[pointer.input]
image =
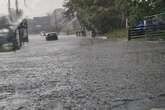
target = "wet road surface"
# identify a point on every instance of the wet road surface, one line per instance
(83, 74)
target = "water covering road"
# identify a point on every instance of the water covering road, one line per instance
(83, 74)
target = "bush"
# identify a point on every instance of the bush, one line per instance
(117, 34)
(6, 48)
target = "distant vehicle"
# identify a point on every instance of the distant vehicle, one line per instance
(51, 36)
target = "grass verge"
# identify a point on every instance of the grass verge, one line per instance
(117, 34)
(6, 48)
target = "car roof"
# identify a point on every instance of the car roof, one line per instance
(51, 33)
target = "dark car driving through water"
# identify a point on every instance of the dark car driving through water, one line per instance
(51, 36)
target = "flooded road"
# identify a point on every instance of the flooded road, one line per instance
(83, 74)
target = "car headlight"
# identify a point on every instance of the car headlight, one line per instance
(4, 30)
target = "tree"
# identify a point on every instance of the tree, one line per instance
(139, 9)
(95, 14)
(107, 15)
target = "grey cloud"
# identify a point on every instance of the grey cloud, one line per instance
(34, 7)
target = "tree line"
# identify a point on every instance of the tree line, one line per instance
(106, 15)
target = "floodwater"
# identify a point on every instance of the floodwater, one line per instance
(83, 74)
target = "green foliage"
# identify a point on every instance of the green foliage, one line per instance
(6, 48)
(106, 15)
(117, 34)
(142, 8)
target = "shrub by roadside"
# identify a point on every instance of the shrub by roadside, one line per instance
(117, 34)
(6, 47)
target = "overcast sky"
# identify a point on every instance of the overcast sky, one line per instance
(34, 7)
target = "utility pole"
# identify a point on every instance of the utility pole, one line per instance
(17, 6)
(9, 10)
(9, 7)
(25, 3)
(55, 18)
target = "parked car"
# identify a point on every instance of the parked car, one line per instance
(140, 26)
(51, 36)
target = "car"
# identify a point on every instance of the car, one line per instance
(51, 36)
(140, 26)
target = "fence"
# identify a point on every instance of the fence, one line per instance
(150, 32)
(153, 28)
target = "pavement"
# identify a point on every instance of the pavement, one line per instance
(83, 74)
